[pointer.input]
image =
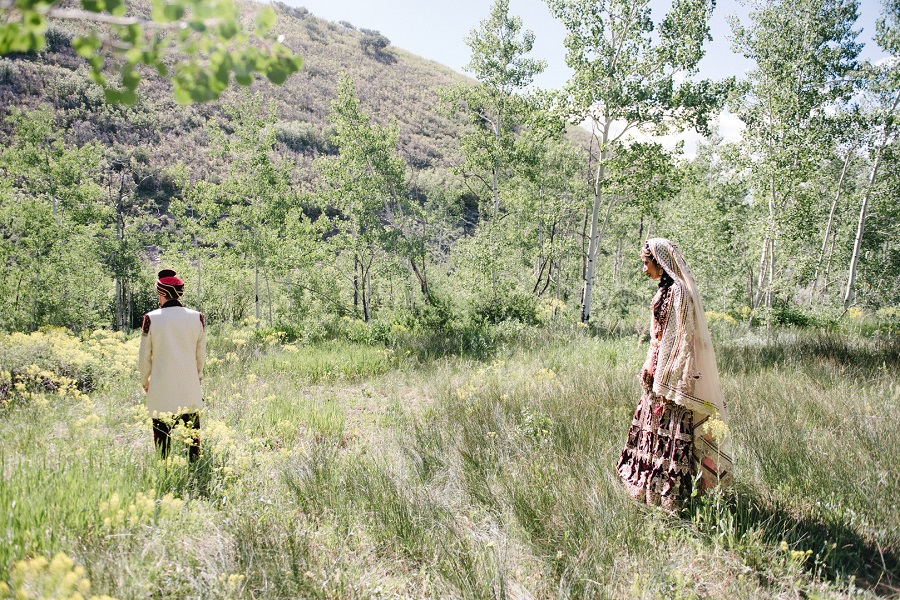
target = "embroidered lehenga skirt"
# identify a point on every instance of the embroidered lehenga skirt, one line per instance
(657, 465)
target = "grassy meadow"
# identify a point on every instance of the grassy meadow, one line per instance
(475, 467)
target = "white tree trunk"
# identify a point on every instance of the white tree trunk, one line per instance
(770, 293)
(596, 232)
(269, 297)
(762, 273)
(860, 229)
(591, 260)
(834, 204)
(496, 193)
(120, 305)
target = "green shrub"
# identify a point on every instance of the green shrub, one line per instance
(52, 364)
(513, 307)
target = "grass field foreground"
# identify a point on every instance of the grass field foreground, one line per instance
(350, 470)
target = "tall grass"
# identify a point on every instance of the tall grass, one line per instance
(347, 470)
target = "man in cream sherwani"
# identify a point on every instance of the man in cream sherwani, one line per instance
(170, 359)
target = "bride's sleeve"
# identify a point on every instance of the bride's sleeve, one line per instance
(686, 355)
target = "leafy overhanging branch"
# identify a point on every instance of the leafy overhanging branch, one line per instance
(198, 44)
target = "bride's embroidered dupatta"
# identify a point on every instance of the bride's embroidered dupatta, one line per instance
(686, 371)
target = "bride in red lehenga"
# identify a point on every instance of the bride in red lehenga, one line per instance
(678, 437)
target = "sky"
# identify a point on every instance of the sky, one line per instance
(436, 30)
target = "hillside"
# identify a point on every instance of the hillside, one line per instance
(158, 133)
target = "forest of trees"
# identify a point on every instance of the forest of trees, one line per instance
(277, 212)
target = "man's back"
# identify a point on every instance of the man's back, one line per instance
(173, 348)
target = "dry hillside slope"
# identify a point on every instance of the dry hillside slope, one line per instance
(157, 133)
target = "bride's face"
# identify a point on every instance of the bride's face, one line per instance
(651, 269)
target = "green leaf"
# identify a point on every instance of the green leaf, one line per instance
(221, 68)
(9, 36)
(182, 95)
(132, 34)
(277, 74)
(112, 96)
(173, 12)
(35, 21)
(115, 7)
(130, 78)
(165, 11)
(203, 93)
(211, 9)
(34, 40)
(86, 46)
(280, 67)
(265, 20)
(227, 29)
(157, 11)
(98, 78)
(32, 5)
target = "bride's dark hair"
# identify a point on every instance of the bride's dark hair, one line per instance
(646, 253)
(665, 280)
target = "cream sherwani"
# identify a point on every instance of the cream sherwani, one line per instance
(171, 357)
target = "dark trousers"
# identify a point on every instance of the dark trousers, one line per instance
(162, 432)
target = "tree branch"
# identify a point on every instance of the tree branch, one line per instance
(76, 14)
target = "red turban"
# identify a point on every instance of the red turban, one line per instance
(169, 285)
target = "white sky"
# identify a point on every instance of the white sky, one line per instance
(435, 29)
